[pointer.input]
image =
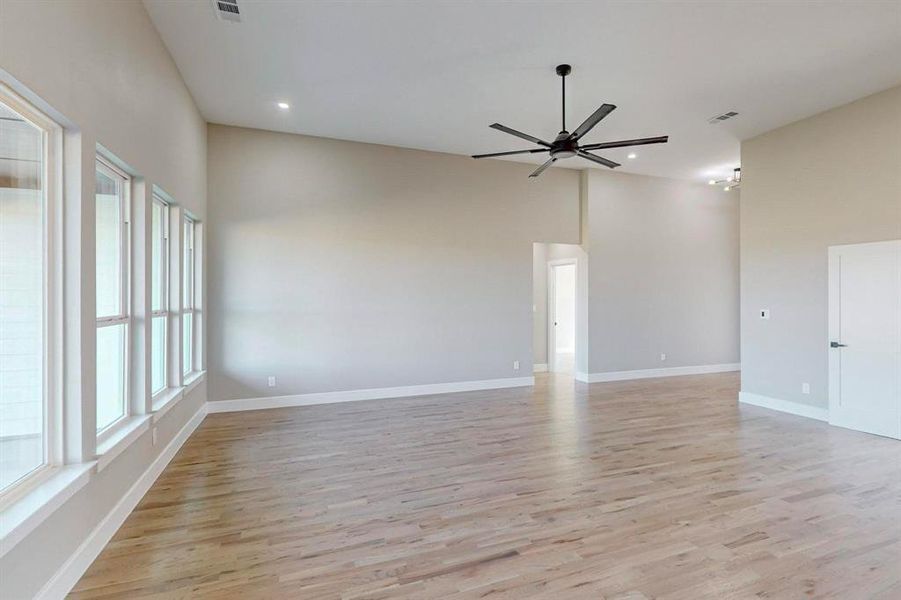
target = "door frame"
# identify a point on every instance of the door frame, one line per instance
(834, 327)
(552, 310)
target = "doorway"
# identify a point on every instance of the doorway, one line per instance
(865, 337)
(561, 318)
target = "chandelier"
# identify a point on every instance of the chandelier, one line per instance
(730, 183)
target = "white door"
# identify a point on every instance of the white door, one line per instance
(865, 337)
(562, 338)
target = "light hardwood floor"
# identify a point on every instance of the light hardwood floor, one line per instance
(650, 489)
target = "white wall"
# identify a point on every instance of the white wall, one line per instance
(565, 308)
(339, 266)
(663, 273)
(101, 69)
(834, 178)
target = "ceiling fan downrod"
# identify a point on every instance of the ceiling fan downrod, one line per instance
(563, 71)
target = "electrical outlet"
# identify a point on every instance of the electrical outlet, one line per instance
(153, 436)
(662, 356)
(272, 381)
(516, 365)
(805, 388)
(765, 314)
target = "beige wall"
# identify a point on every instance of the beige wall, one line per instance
(101, 69)
(103, 66)
(834, 178)
(339, 266)
(663, 273)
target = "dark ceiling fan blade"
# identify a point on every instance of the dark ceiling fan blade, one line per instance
(598, 159)
(509, 153)
(541, 169)
(591, 121)
(520, 134)
(622, 144)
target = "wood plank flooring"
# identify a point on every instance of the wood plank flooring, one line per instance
(659, 489)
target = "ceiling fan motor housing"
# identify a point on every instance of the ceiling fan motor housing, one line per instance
(563, 146)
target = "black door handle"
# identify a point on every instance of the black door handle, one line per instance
(837, 345)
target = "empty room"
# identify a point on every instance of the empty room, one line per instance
(383, 299)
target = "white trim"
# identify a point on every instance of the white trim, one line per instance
(51, 207)
(786, 406)
(539, 368)
(72, 570)
(165, 400)
(130, 429)
(651, 373)
(583, 377)
(221, 406)
(192, 380)
(171, 396)
(110, 321)
(25, 514)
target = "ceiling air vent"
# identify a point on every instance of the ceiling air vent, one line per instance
(227, 10)
(723, 117)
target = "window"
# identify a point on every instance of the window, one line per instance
(188, 297)
(27, 185)
(159, 295)
(111, 198)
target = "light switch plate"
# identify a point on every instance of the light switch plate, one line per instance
(765, 314)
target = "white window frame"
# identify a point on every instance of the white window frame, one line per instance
(51, 179)
(163, 311)
(189, 284)
(124, 316)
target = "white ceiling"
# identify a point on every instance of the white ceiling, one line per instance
(433, 75)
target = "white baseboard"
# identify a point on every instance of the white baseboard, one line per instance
(786, 406)
(539, 368)
(72, 570)
(221, 406)
(651, 373)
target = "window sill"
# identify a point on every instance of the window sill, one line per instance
(192, 380)
(169, 397)
(25, 514)
(165, 400)
(123, 438)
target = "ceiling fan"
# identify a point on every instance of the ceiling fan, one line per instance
(566, 144)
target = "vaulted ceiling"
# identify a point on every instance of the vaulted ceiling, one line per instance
(433, 75)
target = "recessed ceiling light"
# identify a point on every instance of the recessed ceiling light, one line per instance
(727, 188)
(712, 182)
(633, 155)
(284, 105)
